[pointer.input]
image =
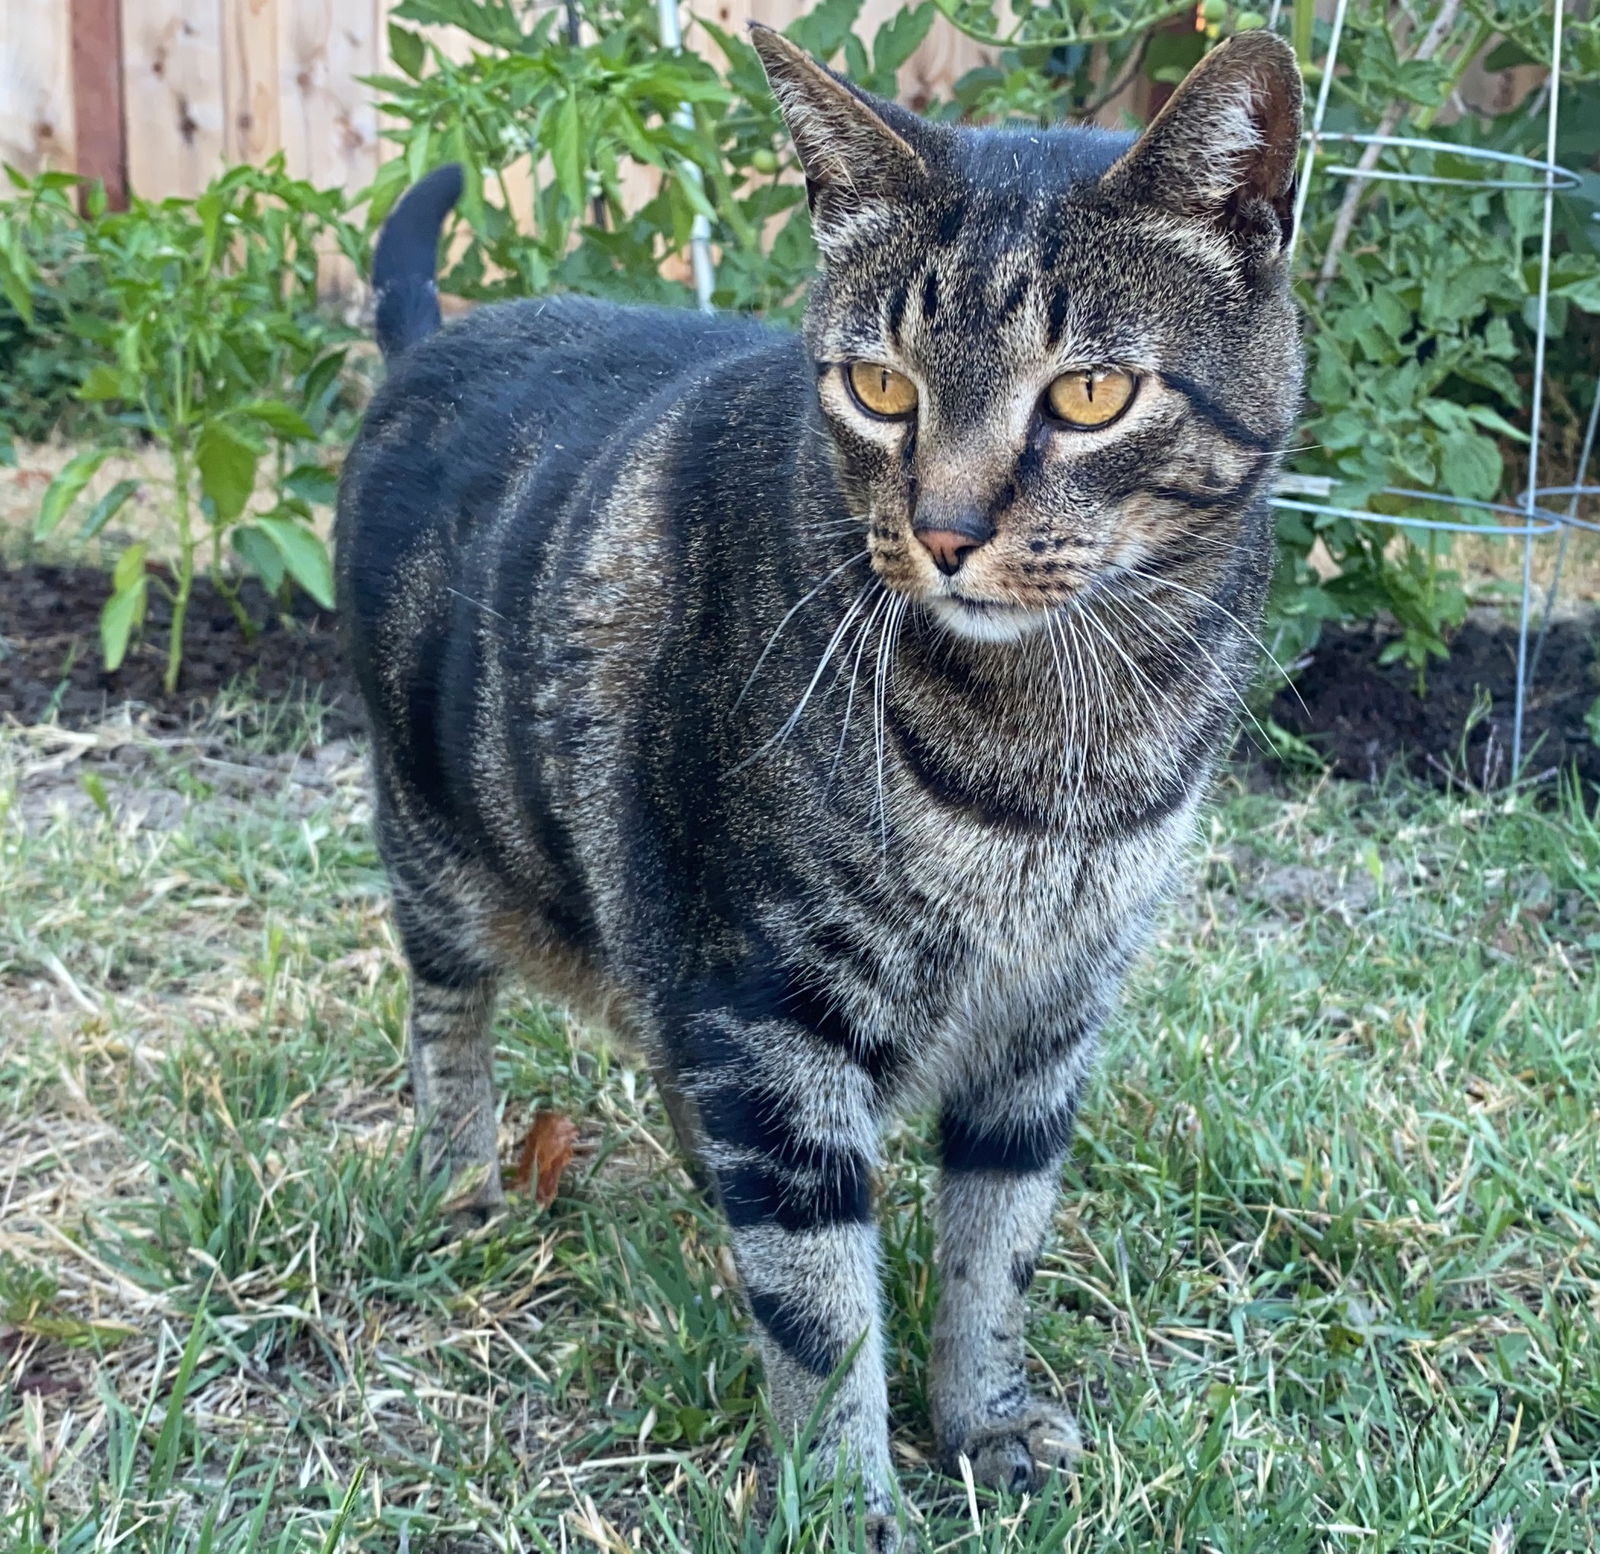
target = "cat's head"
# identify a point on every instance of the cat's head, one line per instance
(1047, 358)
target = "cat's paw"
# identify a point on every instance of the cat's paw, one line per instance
(883, 1533)
(1018, 1452)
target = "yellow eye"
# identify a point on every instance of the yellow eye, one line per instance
(1091, 397)
(880, 390)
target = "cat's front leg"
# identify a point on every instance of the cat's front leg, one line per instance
(788, 1128)
(1003, 1133)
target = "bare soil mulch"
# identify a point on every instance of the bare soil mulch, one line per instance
(51, 667)
(1363, 718)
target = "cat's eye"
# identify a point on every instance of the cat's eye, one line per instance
(882, 391)
(1090, 396)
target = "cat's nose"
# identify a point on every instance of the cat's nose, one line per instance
(954, 540)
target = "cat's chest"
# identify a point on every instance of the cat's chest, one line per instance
(1024, 926)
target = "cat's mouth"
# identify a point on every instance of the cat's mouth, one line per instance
(984, 620)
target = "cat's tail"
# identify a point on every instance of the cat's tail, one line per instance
(406, 258)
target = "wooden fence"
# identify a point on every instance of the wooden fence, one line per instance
(158, 95)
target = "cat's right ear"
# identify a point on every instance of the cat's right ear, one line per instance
(1225, 147)
(856, 149)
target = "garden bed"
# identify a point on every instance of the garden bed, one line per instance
(51, 669)
(1361, 717)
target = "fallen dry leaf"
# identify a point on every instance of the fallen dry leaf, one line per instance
(546, 1152)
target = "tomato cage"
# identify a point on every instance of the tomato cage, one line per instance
(1542, 512)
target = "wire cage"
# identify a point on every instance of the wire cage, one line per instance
(1534, 518)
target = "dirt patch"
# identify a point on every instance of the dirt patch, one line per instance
(1361, 716)
(51, 668)
(1364, 717)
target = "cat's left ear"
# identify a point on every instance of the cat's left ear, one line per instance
(855, 148)
(1225, 147)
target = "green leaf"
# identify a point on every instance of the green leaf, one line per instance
(103, 382)
(823, 28)
(1493, 421)
(566, 151)
(14, 285)
(164, 1458)
(1471, 465)
(8, 450)
(900, 37)
(259, 554)
(227, 464)
(304, 556)
(317, 485)
(279, 417)
(121, 616)
(107, 508)
(407, 50)
(323, 376)
(65, 489)
(129, 567)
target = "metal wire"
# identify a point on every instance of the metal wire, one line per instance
(1570, 521)
(705, 275)
(1536, 413)
(1561, 176)
(1313, 136)
(1536, 520)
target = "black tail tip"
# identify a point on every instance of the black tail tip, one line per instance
(406, 258)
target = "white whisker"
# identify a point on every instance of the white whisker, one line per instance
(862, 633)
(1227, 684)
(778, 629)
(1167, 582)
(885, 655)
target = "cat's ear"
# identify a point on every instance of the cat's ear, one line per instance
(855, 148)
(1225, 147)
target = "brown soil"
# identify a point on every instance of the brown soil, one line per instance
(51, 668)
(1361, 717)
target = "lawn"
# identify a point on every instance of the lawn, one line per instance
(1326, 1274)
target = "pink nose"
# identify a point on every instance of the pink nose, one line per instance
(949, 547)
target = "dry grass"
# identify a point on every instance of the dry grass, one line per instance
(1326, 1274)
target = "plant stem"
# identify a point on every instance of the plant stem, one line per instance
(179, 442)
(1305, 22)
(180, 601)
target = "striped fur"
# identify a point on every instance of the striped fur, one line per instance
(674, 713)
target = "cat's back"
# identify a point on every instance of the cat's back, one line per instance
(483, 434)
(465, 410)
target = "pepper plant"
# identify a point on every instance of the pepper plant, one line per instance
(214, 349)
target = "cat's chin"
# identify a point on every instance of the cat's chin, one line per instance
(985, 622)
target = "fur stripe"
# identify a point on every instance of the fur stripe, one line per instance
(1012, 1146)
(943, 784)
(1219, 419)
(836, 1191)
(792, 1325)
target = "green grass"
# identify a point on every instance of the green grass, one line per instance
(1326, 1274)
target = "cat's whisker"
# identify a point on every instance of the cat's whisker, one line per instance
(1207, 599)
(1067, 719)
(1081, 735)
(1105, 702)
(885, 655)
(863, 632)
(1222, 675)
(777, 631)
(1110, 637)
(805, 696)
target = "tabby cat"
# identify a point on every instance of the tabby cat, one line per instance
(827, 714)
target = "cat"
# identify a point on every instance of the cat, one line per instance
(827, 714)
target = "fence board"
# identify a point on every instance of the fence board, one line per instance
(329, 121)
(250, 40)
(174, 95)
(36, 118)
(212, 81)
